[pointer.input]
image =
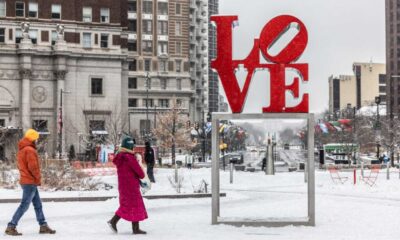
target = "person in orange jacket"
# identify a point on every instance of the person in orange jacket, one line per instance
(30, 179)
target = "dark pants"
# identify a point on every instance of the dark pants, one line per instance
(263, 167)
(150, 173)
(30, 194)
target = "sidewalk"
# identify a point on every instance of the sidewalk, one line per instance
(105, 198)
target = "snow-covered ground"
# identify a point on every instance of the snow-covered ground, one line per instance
(342, 211)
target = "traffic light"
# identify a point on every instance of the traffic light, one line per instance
(188, 124)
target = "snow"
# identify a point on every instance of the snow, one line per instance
(345, 211)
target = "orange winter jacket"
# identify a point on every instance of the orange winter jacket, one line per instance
(28, 163)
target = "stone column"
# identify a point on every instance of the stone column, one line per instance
(25, 110)
(60, 78)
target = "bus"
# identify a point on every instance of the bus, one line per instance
(341, 153)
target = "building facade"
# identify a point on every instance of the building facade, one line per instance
(213, 81)
(360, 89)
(158, 61)
(199, 57)
(62, 67)
(392, 9)
(341, 92)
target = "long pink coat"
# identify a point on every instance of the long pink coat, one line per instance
(131, 205)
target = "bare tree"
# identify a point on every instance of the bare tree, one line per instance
(171, 131)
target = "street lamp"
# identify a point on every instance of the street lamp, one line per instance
(60, 147)
(147, 104)
(377, 126)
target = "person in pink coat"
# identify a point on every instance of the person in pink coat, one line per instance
(129, 171)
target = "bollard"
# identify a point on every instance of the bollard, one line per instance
(176, 173)
(388, 170)
(355, 176)
(362, 168)
(231, 173)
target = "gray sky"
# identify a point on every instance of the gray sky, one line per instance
(340, 32)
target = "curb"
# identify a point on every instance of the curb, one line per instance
(100, 199)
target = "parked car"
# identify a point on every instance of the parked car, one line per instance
(235, 158)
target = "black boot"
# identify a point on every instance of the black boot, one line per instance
(113, 223)
(136, 229)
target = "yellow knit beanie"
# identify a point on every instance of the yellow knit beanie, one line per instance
(31, 135)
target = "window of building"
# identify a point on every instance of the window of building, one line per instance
(20, 9)
(178, 102)
(2, 35)
(87, 40)
(178, 9)
(132, 65)
(162, 8)
(40, 125)
(382, 78)
(97, 86)
(53, 37)
(147, 7)
(178, 29)
(382, 89)
(163, 103)
(147, 46)
(33, 35)
(147, 26)
(2, 122)
(132, 7)
(162, 66)
(178, 65)
(144, 126)
(147, 64)
(162, 48)
(178, 49)
(56, 11)
(2, 8)
(87, 14)
(148, 103)
(162, 28)
(97, 125)
(18, 35)
(179, 84)
(132, 25)
(33, 10)
(104, 40)
(132, 102)
(105, 15)
(132, 45)
(163, 83)
(132, 83)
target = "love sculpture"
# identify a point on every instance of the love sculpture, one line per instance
(272, 31)
(277, 65)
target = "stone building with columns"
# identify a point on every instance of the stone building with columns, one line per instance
(63, 68)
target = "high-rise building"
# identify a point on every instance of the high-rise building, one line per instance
(213, 82)
(158, 61)
(61, 67)
(393, 56)
(358, 90)
(199, 58)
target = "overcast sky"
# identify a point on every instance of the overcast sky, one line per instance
(340, 32)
